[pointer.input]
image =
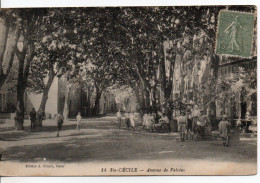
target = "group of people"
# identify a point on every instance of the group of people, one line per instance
(149, 121)
(59, 119)
(128, 120)
(33, 118)
(192, 123)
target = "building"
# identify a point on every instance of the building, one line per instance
(82, 99)
(194, 73)
(244, 103)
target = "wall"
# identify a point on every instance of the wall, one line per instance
(51, 105)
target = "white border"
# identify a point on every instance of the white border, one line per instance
(80, 3)
(163, 179)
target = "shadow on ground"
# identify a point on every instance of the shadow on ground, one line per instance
(100, 140)
(125, 145)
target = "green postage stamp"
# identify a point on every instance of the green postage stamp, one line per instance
(235, 31)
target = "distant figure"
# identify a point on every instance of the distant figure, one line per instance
(150, 122)
(164, 118)
(189, 126)
(224, 129)
(119, 118)
(59, 120)
(127, 120)
(41, 116)
(145, 116)
(79, 118)
(165, 123)
(33, 118)
(182, 123)
(132, 120)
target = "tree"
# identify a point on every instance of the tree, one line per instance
(56, 54)
(30, 31)
(9, 34)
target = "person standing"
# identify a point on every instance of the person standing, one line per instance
(132, 120)
(224, 129)
(165, 122)
(119, 118)
(33, 118)
(79, 118)
(149, 122)
(189, 126)
(182, 122)
(59, 120)
(127, 120)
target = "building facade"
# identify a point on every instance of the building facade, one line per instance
(82, 99)
(244, 103)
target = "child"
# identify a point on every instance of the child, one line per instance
(79, 118)
(132, 120)
(224, 128)
(182, 123)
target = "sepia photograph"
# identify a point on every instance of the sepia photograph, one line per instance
(127, 91)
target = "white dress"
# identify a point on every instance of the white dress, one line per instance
(79, 118)
(132, 120)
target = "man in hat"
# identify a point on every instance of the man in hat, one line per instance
(59, 120)
(224, 129)
(33, 118)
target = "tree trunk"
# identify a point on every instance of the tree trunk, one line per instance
(46, 90)
(142, 98)
(24, 57)
(139, 96)
(3, 40)
(163, 81)
(19, 119)
(154, 103)
(147, 99)
(8, 46)
(66, 105)
(96, 105)
(166, 83)
(88, 102)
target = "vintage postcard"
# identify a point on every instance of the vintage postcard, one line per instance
(118, 91)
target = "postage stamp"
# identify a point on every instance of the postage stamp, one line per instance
(235, 31)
